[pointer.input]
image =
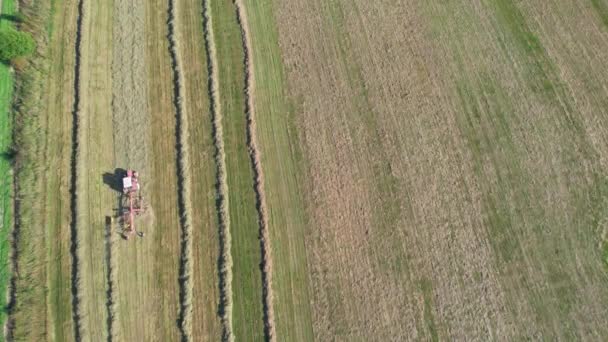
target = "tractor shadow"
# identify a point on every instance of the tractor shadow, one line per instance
(114, 180)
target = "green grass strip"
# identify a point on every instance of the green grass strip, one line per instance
(247, 311)
(6, 179)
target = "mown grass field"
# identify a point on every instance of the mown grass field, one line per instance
(246, 255)
(429, 170)
(284, 174)
(206, 249)
(59, 122)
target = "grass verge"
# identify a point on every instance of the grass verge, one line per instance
(6, 179)
(27, 304)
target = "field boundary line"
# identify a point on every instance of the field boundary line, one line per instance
(258, 174)
(183, 179)
(75, 165)
(221, 186)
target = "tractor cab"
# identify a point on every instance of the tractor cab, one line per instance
(130, 182)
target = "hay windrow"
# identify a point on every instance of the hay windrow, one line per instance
(77, 182)
(112, 291)
(183, 179)
(222, 202)
(258, 182)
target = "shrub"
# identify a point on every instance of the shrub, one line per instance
(15, 44)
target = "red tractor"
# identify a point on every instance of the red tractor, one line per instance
(133, 203)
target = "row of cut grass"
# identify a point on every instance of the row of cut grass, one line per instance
(258, 175)
(184, 181)
(219, 278)
(247, 294)
(282, 165)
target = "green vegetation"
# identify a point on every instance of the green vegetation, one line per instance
(29, 138)
(292, 311)
(6, 179)
(247, 279)
(507, 128)
(15, 44)
(602, 10)
(281, 162)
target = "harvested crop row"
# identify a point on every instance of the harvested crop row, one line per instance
(183, 181)
(258, 181)
(76, 182)
(112, 291)
(225, 262)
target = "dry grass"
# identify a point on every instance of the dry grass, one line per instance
(93, 124)
(453, 174)
(149, 276)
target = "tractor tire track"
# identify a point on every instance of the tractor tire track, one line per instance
(258, 181)
(75, 165)
(221, 186)
(183, 179)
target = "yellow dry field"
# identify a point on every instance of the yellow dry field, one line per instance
(456, 177)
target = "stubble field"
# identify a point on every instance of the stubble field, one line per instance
(313, 170)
